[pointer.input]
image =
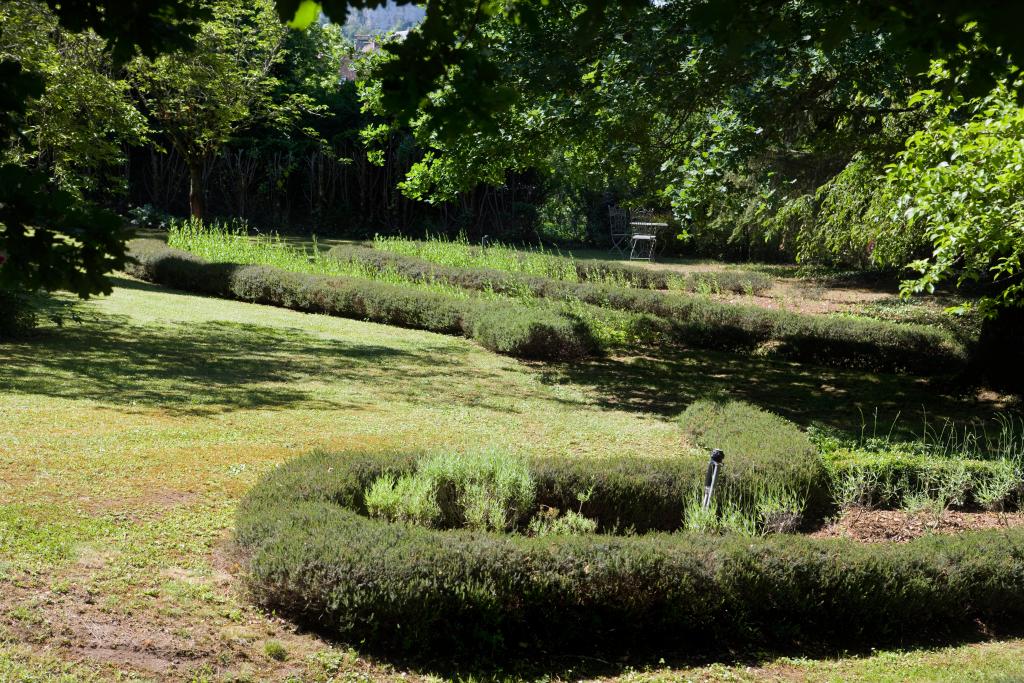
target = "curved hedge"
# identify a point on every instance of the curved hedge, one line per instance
(705, 323)
(416, 268)
(699, 321)
(314, 556)
(502, 326)
(760, 447)
(549, 333)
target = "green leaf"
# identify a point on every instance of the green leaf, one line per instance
(306, 14)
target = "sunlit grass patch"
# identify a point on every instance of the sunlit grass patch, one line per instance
(224, 243)
(48, 535)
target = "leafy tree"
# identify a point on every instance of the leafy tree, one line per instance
(960, 182)
(78, 127)
(448, 73)
(64, 122)
(200, 96)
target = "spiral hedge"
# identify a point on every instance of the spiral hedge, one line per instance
(547, 332)
(313, 555)
(705, 323)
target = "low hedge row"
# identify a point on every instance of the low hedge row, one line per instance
(737, 281)
(416, 268)
(760, 447)
(890, 478)
(827, 340)
(516, 330)
(705, 323)
(402, 589)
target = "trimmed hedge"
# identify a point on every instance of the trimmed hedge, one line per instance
(501, 326)
(888, 478)
(699, 321)
(548, 333)
(828, 340)
(760, 447)
(417, 268)
(402, 589)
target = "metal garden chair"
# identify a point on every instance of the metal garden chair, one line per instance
(620, 230)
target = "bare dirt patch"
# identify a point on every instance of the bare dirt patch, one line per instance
(875, 526)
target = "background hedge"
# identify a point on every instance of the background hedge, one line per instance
(502, 326)
(702, 322)
(589, 272)
(404, 589)
(550, 332)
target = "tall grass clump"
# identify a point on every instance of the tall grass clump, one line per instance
(554, 265)
(948, 465)
(487, 491)
(460, 254)
(233, 242)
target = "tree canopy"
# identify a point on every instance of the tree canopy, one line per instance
(779, 115)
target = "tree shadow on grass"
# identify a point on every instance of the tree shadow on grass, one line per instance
(846, 400)
(194, 367)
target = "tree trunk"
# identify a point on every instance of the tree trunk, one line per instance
(195, 190)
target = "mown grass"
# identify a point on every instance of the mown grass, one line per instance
(126, 441)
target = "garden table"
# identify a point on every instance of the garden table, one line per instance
(645, 234)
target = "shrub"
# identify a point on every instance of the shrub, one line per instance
(313, 555)
(699, 321)
(502, 326)
(540, 334)
(887, 478)
(767, 458)
(485, 491)
(17, 314)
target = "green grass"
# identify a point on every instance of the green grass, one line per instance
(461, 254)
(222, 243)
(126, 441)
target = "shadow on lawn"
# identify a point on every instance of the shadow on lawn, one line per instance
(805, 394)
(197, 367)
(519, 664)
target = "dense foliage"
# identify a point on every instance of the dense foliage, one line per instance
(769, 142)
(959, 183)
(555, 88)
(225, 80)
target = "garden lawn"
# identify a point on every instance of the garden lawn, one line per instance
(126, 440)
